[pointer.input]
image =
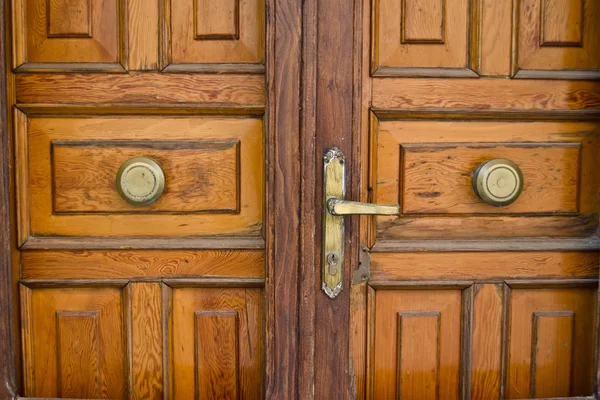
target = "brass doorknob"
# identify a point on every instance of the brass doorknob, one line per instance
(140, 181)
(498, 182)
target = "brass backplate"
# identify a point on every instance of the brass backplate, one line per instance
(333, 226)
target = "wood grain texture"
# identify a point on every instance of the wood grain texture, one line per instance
(487, 341)
(559, 36)
(201, 176)
(485, 266)
(141, 264)
(201, 32)
(63, 34)
(146, 374)
(22, 177)
(420, 358)
(75, 345)
(216, 335)
(96, 191)
(485, 94)
(438, 179)
(282, 217)
(142, 88)
(410, 166)
(532, 373)
(494, 44)
(143, 34)
(433, 34)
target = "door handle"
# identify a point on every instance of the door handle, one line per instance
(344, 207)
(335, 207)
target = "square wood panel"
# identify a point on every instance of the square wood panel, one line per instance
(69, 35)
(203, 35)
(421, 38)
(557, 39)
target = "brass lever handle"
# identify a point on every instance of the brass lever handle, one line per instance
(338, 207)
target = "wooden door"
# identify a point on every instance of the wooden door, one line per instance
(464, 299)
(173, 299)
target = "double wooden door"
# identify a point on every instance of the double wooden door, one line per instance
(214, 289)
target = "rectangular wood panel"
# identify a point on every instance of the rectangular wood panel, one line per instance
(419, 354)
(200, 175)
(69, 18)
(423, 21)
(543, 325)
(216, 335)
(562, 23)
(79, 353)
(552, 353)
(216, 20)
(126, 264)
(213, 166)
(416, 343)
(143, 34)
(486, 347)
(145, 315)
(427, 166)
(486, 265)
(436, 179)
(217, 343)
(74, 342)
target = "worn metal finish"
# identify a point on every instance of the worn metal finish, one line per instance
(345, 207)
(498, 182)
(333, 226)
(140, 181)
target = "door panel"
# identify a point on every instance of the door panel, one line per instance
(463, 299)
(168, 299)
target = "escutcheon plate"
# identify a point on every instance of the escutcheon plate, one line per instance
(332, 258)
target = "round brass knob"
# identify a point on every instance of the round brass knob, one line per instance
(498, 182)
(140, 181)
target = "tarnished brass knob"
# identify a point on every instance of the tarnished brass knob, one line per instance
(498, 182)
(140, 181)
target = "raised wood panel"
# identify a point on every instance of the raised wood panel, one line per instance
(217, 20)
(426, 167)
(551, 332)
(562, 23)
(204, 137)
(208, 35)
(145, 315)
(217, 361)
(69, 35)
(128, 264)
(423, 21)
(486, 344)
(416, 38)
(69, 18)
(78, 353)
(437, 179)
(73, 343)
(219, 92)
(216, 335)
(200, 175)
(557, 38)
(552, 353)
(416, 344)
(484, 266)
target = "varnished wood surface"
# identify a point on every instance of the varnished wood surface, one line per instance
(483, 266)
(156, 264)
(142, 88)
(145, 317)
(73, 163)
(216, 343)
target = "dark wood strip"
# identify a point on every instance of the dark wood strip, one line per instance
(283, 68)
